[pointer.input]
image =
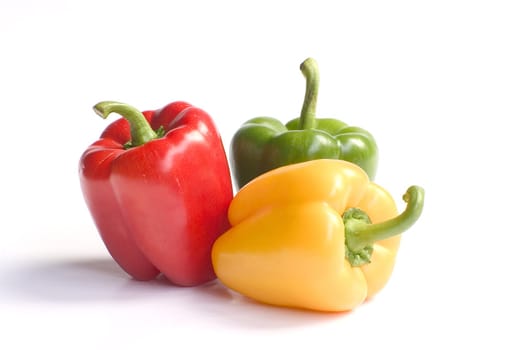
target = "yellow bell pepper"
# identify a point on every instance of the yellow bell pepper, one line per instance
(315, 235)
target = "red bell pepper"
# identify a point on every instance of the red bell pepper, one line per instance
(159, 199)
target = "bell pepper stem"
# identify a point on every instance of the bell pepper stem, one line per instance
(310, 71)
(361, 234)
(141, 131)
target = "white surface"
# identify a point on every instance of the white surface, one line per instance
(440, 85)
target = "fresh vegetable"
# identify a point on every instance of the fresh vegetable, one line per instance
(158, 187)
(316, 235)
(264, 143)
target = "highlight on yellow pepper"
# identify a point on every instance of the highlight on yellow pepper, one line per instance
(315, 235)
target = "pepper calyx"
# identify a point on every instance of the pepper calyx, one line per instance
(358, 253)
(361, 233)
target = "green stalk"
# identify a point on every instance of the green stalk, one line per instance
(310, 71)
(361, 234)
(141, 131)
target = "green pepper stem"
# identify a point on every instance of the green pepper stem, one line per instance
(310, 71)
(360, 234)
(141, 131)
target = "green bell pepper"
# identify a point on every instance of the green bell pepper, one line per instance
(264, 143)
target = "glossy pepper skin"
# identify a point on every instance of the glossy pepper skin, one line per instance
(159, 199)
(264, 143)
(316, 235)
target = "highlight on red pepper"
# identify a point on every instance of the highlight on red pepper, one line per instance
(265, 143)
(316, 235)
(158, 187)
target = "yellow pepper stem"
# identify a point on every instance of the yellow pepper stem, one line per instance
(361, 234)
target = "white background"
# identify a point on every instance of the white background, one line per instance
(441, 85)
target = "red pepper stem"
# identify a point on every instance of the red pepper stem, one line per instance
(310, 71)
(361, 234)
(141, 131)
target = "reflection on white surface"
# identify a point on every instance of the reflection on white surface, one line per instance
(83, 284)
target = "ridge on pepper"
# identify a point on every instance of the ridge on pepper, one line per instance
(265, 143)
